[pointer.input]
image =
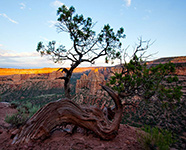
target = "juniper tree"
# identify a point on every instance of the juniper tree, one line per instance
(87, 46)
(150, 83)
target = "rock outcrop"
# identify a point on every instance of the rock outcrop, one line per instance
(90, 82)
(18, 86)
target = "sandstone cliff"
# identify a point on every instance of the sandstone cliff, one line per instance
(90, 82)
(99, 74)
(22, 81)
(20, 86)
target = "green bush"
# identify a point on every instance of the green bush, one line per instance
(33, 110)
(156, 138)
(17, 119)
(25, 111)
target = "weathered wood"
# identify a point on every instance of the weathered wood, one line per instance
(40, 125)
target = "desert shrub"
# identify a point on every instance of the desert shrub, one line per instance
(25, 111)
(33, 110)
(156, 138)
(14, 104)
(17, 119)
(153, 114)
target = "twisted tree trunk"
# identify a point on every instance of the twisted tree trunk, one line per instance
(63, 111)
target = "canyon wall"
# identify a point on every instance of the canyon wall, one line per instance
(91, 81)
(20, 86)
(180, 65)
(102, 74)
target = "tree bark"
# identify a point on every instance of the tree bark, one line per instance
(57, 113)
(68, 77)
(67, 87)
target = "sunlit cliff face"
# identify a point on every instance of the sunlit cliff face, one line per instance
(11, 71)
(96, 70)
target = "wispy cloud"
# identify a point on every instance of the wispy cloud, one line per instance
(23, 54)
(128, 2)
(11, 20)
(22, 6)
(52, 23)
(44, 38)
(56, 4)
(24, 60)
(27, 62)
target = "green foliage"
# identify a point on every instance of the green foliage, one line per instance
(87, 46)
(80, 28)
(156, 138)
(152, 114)
(155, 93)
(25, 111)
(155, 82)
(30, 108)
(84, 38)
(32, 91)
(14, 104)
(33, 110)
(17, 119)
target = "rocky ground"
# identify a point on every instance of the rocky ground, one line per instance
(59, 140)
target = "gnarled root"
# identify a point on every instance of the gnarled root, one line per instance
(63, 111)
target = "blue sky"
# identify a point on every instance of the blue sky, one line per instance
(23, 23)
